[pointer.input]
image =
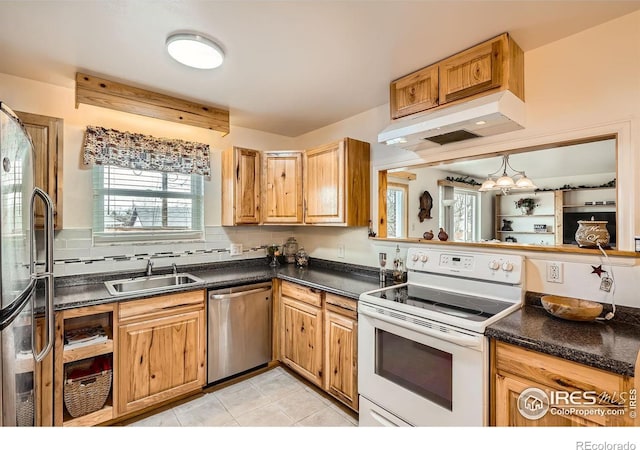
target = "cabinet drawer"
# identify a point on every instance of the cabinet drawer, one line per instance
(161, 305)
(341, 305)
(302, 293)
(557, 373)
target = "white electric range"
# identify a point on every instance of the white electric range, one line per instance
(423, 359)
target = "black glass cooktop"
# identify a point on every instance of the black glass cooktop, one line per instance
(468, 307)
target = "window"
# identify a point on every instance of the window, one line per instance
(138, 205)
(466, 213)
(397, 210)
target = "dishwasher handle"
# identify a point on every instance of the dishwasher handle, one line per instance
(238, 294)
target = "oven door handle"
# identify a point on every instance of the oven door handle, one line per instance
(471, 342)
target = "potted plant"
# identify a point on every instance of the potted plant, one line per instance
(526, 205)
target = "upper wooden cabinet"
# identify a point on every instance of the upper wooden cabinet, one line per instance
(282, 187)
(46, 134)
(415, 92)
(326, 185)
(337, 183)
(240, 186)
(496, 64)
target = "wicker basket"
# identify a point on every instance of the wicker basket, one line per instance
(87, 394)
(24, 409)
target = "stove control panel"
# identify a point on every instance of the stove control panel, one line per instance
(501, 268)
(456, 261)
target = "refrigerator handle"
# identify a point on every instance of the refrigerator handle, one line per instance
(47, 275)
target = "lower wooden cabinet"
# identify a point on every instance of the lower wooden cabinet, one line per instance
(302, 338)
(318, 339)
(341, 345)
(597, 397)
(161, 354)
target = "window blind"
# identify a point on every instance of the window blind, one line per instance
(142, 205)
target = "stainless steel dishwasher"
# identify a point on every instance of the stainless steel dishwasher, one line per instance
(239, 330)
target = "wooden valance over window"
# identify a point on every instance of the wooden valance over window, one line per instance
(111, 147)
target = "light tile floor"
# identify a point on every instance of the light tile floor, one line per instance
(274, 398)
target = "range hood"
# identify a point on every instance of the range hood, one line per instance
(496, 113)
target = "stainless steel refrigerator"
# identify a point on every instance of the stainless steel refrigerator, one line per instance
(26, 286)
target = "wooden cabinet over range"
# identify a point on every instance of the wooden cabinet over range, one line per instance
(327, 185)
(491, 66)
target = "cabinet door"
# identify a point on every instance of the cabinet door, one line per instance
(247, 186)
(507, 413)
(302, 339)
(282, 187)
(341, 370)
(324, 184)
(473, 71)
(160, 359)
(46, 134)
(415, 92)
(240, 186)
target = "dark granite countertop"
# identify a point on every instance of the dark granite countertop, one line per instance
(608, 345)
(341, 279)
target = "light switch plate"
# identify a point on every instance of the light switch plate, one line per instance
(235, 249)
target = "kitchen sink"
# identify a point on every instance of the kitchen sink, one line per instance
(150, 284)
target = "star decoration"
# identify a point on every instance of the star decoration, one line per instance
(599, 270)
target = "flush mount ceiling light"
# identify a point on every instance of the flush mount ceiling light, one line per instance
(505, 182)
(194, 50)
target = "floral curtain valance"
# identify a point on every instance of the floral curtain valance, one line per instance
(104, 146)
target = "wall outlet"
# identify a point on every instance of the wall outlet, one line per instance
(341, 250)
(235, 249)
(554, 272)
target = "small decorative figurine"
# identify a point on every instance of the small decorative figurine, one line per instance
(443, 236)
(426, 203)
(428, 235)
(506, 225)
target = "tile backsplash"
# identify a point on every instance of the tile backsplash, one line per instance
(74, 252)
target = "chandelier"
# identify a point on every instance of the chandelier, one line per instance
(506, 183)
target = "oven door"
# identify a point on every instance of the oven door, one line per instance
(423, 372)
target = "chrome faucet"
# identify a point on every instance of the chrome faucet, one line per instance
(175, 269)
(149, 267)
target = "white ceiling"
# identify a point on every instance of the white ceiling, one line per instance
(291, 67)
